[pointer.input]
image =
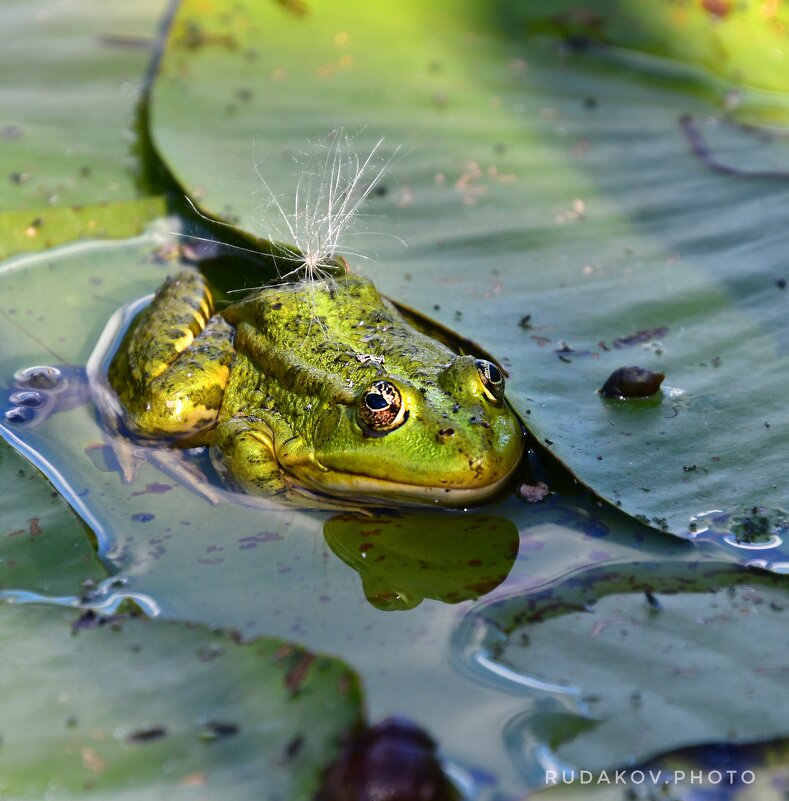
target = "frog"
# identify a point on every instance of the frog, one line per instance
(317, 388)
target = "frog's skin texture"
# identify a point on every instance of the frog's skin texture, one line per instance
(317, 386)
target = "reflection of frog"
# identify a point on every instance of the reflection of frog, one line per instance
(322, 386)
(407, 556)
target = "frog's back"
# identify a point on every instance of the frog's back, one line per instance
(343, 327)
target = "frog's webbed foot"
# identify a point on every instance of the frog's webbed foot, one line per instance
(172, 367)
(37, 392)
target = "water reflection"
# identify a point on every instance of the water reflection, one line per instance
(403, 558)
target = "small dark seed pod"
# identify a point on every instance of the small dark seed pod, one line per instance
(632, 382)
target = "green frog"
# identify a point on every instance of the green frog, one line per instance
(319, 387)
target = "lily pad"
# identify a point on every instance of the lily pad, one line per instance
(44, 548)
(622, 665)
(570, 215)
(28, 230)
(72, 76)
(744, 43)
(124, 708)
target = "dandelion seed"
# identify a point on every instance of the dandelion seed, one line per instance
(326, 206)
(312, 239)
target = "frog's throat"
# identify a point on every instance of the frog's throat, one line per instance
(353, 485)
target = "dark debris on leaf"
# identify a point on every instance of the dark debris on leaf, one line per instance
(147, 735)
(632, 382)
(92, 620)
(393, 760)
(217, 730)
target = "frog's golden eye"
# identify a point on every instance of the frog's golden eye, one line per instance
(492, 380)
(381, 407)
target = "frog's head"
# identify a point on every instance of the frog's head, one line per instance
(449, 439)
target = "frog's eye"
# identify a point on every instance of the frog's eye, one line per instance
(381, 407)
(492, 380)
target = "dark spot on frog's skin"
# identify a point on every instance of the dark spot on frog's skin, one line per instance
(381, 191)
(276, 306)
(780, 283)
(632, 382)
(147, 735)
(142, 517)
(445, 433)
(19, 177)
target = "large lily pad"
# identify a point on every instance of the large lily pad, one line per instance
(538, 181)
(44, 548)
(72, 75)
(624, 665)
(129, 709)
(28, 230)
(744, 43)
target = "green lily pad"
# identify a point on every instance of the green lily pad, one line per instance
(622, 665)
(72, 75)
(571, 216)
(44, 548)
(744, 43)
(127, 708)
(28, 230)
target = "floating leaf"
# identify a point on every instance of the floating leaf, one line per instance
(623, 664)
(72, 76)
(126, 708)
(44, 548)
(28, 230)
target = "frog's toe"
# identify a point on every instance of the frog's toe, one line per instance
(37, 392)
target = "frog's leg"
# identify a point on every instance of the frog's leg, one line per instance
(243, 453)
(172, 367)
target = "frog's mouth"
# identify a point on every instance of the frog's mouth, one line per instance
(364, 487)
